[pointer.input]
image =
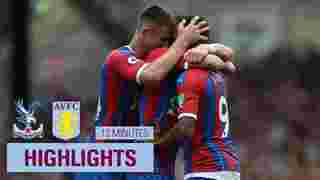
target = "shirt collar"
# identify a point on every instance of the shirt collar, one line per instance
(130, 49)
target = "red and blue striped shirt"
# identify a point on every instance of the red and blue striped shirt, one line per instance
(202, 96)
(154, 104)
(119, 88)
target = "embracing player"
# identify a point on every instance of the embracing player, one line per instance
(204, 121)
(155, 102)
(124, 69)
(204, 113)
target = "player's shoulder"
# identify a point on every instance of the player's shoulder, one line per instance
(155, 53)
(120, 53)
(197, 74)
(193, 77)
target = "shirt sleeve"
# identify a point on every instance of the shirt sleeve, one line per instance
(189, 88)
(156, 53)
(127, 66)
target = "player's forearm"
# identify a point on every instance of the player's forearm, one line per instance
(170, 137)
(215, 63)
(158, 69)
(211, 62)
(184, 128)
(224, 52)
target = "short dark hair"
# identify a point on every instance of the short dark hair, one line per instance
(157, 15)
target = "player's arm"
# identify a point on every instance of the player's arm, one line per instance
(212, 62)
(225, 53)
(130, 67)
(220, 57)
(184, 128)
(189, 88)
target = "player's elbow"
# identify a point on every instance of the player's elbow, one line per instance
(150, 77)
(230, 67)
(228, 53)
(157, 76)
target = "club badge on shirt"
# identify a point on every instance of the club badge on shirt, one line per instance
(132, 60)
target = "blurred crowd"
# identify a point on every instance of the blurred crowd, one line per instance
(274, 111)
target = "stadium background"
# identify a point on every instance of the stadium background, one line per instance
(274, 99)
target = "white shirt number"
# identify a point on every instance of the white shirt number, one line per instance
(224, 116)
(98, 109)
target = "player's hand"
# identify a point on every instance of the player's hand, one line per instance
(192, 32)
(196, 55)
(224, 52)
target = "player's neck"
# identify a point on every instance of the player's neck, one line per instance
(134, 45)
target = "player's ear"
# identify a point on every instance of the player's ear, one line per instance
(145, 30)
(142, 32)
(149, 28)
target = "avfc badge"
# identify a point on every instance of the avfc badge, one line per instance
(66, 119)
(26, 126)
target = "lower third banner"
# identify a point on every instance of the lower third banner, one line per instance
(80, 157)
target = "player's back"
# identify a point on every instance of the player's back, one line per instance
(117, 93)
(211, 148)
(116, 98)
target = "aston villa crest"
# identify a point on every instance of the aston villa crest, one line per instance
(66, 119)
